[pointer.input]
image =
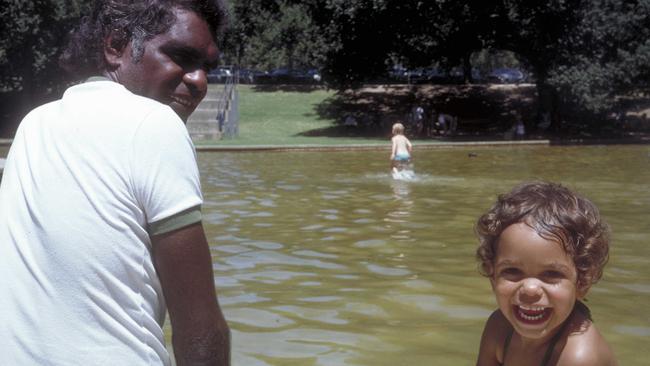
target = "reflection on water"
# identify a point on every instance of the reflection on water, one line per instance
(324, 259)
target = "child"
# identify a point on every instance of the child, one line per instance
(401, 150)
(542, 247)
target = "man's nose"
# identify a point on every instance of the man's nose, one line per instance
(197, 80)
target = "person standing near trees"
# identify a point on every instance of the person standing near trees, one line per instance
(100, 221)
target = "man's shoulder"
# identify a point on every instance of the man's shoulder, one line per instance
(114, 98)
(109, 90)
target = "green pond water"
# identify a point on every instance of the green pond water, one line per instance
(321, 258)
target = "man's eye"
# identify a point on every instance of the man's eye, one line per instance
(207, 66)
(186, 62)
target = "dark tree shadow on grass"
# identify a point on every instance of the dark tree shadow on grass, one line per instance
(483, 112)
(300, 88)
(481, 109)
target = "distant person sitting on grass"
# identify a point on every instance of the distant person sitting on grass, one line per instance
(401, 150)
(446, 124)
(542, 247)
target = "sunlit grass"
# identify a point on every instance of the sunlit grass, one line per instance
(279, 117)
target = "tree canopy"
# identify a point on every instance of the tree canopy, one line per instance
(583, 54)
(31, 36)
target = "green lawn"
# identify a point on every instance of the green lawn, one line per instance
(279, 117)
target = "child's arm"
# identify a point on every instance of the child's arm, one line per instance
(409, 147)
(492, 340)
(393, 148)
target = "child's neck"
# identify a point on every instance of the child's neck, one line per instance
(534, 344)
(543, 348)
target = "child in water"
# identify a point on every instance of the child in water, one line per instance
(401, 150)
(542, 247)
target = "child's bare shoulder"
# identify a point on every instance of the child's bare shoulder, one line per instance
(586, 346)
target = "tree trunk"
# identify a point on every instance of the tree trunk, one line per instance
(547, 107)
(467, 68)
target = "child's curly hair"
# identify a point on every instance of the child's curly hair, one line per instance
(555, 213)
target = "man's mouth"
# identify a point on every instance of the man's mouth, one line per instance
(532, 314)
(183, 106)
(184, 102)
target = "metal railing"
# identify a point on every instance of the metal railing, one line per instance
(228, 109)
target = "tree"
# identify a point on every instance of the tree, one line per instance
(584, 54)
(360, 36)
(366, 37)
(451, 31)
(275, 34)
(33, 33)
(608, 56)
(536, 33)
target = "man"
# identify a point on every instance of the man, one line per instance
(100, 222)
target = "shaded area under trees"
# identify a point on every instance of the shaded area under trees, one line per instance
(590, 59)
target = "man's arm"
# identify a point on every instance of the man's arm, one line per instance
(200, 334)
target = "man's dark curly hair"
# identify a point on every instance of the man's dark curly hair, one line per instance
(134, 21)
(555, 213)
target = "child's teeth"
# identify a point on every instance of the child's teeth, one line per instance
(532, 308)
(528, 317)
(537, 309)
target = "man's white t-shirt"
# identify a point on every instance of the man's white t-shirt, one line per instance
(87, 180)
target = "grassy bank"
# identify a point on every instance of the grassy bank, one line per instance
(287, 117)
(304, 115)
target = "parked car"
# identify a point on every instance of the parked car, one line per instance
(286, 76)
(310, 76)
(398, 73)
(506, 76)
(435, 75)
(417, 76)
(315, 75)
(219, 75)
(249, 76)
(457, 75)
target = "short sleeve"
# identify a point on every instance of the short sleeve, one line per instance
(165, 175)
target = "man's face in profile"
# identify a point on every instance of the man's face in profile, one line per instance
(173, 68)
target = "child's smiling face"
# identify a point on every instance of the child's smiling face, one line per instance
(534, 281)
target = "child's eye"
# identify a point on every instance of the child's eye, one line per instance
(510, 272)
(553, 276)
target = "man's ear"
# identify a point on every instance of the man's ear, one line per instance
(114, 47)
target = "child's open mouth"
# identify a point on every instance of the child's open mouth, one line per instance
(531, 314)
